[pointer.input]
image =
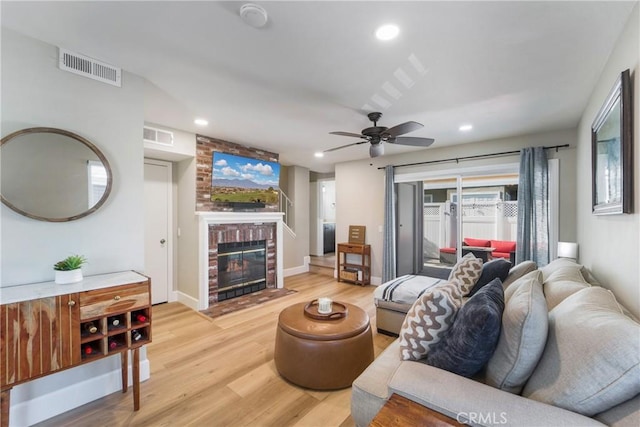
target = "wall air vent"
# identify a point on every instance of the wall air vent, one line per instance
(157, 136)
(89, 67)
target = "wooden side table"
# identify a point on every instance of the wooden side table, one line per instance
(354, 272)
(400, 411)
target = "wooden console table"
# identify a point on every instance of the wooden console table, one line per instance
(360, 272)
(400, 411)
(46, 328)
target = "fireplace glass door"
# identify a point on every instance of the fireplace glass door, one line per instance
(241, 268)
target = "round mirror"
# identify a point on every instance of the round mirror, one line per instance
(52, 174)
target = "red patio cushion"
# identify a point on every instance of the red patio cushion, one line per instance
(477, 242)
(448, 250)
(503, 245)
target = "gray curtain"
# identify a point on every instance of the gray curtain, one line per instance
(389, 236)
(533, 207)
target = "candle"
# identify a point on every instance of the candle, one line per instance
(324, 305)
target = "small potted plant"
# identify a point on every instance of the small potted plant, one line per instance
(69, 269)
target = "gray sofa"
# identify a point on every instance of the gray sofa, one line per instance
(569, 385)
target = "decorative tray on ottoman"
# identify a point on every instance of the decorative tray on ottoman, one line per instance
(338, 311)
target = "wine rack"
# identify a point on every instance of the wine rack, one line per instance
(114, 332)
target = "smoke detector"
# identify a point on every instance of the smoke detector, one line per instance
(253, 15)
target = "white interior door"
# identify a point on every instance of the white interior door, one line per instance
(157, 229)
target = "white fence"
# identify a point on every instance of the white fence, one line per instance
(489, 220)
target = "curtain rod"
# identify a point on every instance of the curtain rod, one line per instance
(478, 156)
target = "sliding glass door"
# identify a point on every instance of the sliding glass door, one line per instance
(471, 213)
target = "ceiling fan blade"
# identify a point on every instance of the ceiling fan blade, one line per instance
(403, 128)
(344, 146)
(410, 140)
(355, 135)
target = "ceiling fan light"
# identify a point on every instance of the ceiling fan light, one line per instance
(318, 154)
(376, 150)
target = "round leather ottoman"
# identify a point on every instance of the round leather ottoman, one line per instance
(323, 354)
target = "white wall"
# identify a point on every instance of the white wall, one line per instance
(36, 93)
(188, 243)
(609, 244)
(360, 185)
(297, 248)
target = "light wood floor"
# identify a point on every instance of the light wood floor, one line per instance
(220, 372)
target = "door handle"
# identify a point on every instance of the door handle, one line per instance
(163, 241)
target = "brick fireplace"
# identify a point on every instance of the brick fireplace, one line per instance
(237, 239)
(241, 230)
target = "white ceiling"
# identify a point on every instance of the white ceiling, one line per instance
(508, 68)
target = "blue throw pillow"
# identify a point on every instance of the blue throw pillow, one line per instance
(497, 268)
(471, 340)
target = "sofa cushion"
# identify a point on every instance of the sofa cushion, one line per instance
(497, 268)
(522, 337)
(473, 337)
(518, 271)
(469, 241)
(428, 319)
(563, 282)
(591, 361)
(548, 269)
(504, 246)
(466, 273)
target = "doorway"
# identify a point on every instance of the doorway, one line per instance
(158, 252)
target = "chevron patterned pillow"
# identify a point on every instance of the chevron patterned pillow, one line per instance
(428, 319)
(466, 273)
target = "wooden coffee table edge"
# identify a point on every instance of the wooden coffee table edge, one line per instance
(400, 411)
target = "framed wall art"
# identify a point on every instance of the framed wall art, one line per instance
(611, 151)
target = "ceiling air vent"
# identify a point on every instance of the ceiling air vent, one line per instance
(89, 67)
(157, 136)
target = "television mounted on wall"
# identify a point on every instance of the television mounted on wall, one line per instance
(239, 182)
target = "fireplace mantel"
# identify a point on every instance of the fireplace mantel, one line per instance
(213, 218)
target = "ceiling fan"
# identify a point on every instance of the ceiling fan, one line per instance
(377, 135)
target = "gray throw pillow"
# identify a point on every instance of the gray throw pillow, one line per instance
(523, 335)
(496, 268)
(518, 271)
(472, 339)
(591, 361)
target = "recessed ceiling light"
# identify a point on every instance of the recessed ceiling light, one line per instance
(387, 32)
(253, 15)
(319, 154)
(465, 128)
(201, 122)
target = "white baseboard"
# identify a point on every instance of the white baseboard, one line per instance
(188, 300)
(376, 281)
(56, 401)
(304, 268)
